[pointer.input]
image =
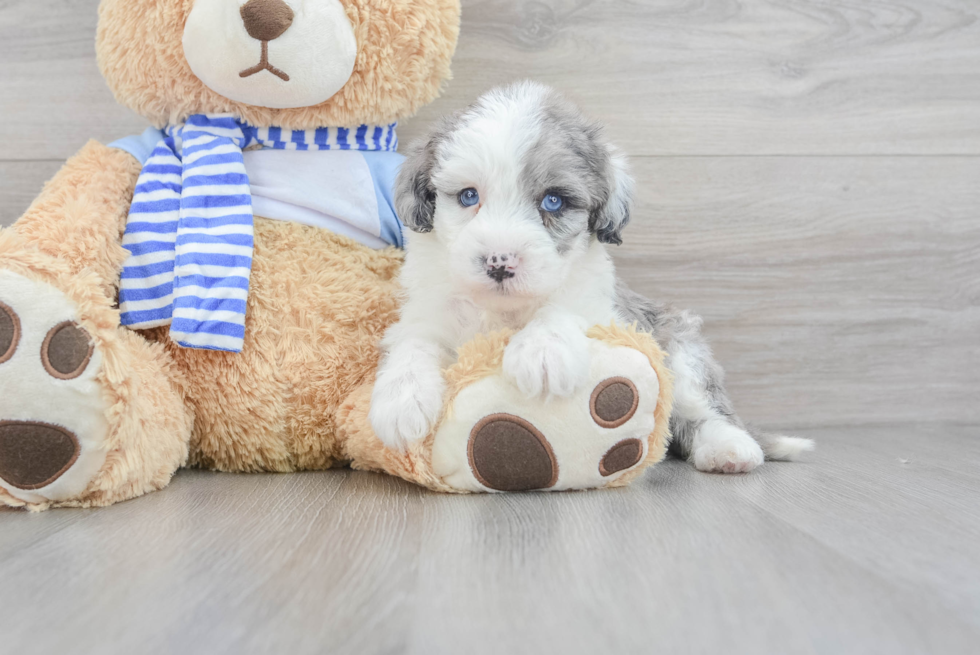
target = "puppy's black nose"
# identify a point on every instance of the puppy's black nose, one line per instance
(500, 273)
(266, 20)
(501, 265)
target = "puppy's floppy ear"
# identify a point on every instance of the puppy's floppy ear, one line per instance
(415, 196)
(609, 219)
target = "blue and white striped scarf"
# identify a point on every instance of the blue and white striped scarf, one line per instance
(190, 225)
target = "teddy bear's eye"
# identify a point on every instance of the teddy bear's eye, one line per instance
(469, 197)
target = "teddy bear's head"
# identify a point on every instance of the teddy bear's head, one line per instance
(290, 63)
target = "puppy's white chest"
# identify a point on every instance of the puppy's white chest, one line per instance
(471, 319)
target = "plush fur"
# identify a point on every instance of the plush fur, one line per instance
(318, 307)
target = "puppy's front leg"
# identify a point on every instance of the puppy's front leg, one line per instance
(408, 392)
(550, 355)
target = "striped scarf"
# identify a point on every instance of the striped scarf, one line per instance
(190, 231)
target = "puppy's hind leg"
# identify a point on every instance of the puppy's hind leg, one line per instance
(706, 430)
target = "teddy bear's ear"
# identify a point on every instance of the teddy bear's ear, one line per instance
(415, 195)
(608, 220)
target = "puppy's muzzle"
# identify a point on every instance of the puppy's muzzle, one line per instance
(501, 266)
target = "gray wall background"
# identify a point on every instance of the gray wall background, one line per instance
(808, 173)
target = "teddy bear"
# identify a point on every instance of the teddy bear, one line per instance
(212, 293)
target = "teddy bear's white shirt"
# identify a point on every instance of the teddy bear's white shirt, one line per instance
(341, 191)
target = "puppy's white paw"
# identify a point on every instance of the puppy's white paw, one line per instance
(723, 448)
(405, 404)
(547, 361)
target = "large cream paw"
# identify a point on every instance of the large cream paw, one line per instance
(52, 411)
(723, 448)
(543, 361)
(497, 438)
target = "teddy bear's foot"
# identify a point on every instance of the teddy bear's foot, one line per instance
(495, 439)
(52, 411)
(89, 412)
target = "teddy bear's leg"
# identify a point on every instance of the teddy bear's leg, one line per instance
(363, 449)
(493, 438)
(90, 413)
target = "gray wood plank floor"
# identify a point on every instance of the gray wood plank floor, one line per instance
(808, 180)
(868, 546)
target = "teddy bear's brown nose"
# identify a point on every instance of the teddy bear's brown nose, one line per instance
(266, 20)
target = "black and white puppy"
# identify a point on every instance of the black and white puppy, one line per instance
(511, 204)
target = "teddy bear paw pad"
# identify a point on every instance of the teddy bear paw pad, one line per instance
(507, 453)
(52, 412)
(495, 439)
(35, 454)
(614, 401)
(624, 455)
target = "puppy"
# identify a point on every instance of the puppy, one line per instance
(511, 204)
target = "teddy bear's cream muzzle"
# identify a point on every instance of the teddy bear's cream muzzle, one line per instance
(271, 53)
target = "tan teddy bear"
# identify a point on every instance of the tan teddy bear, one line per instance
(212, 294)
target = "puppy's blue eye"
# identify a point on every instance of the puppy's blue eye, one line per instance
(469, 197)
(552, 203)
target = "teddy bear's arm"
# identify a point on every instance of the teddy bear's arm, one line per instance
(81, 212)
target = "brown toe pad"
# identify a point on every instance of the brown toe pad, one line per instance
(507, 453)
(625, 454)
(9, 332)
(613, 402)
(66, 351)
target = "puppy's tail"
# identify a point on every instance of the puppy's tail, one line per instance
(782, 448)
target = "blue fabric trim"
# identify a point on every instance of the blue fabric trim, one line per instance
(384, 168)
(140, 147)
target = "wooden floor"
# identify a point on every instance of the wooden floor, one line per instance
(807, 172)
(870, 546)
(808, 180)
